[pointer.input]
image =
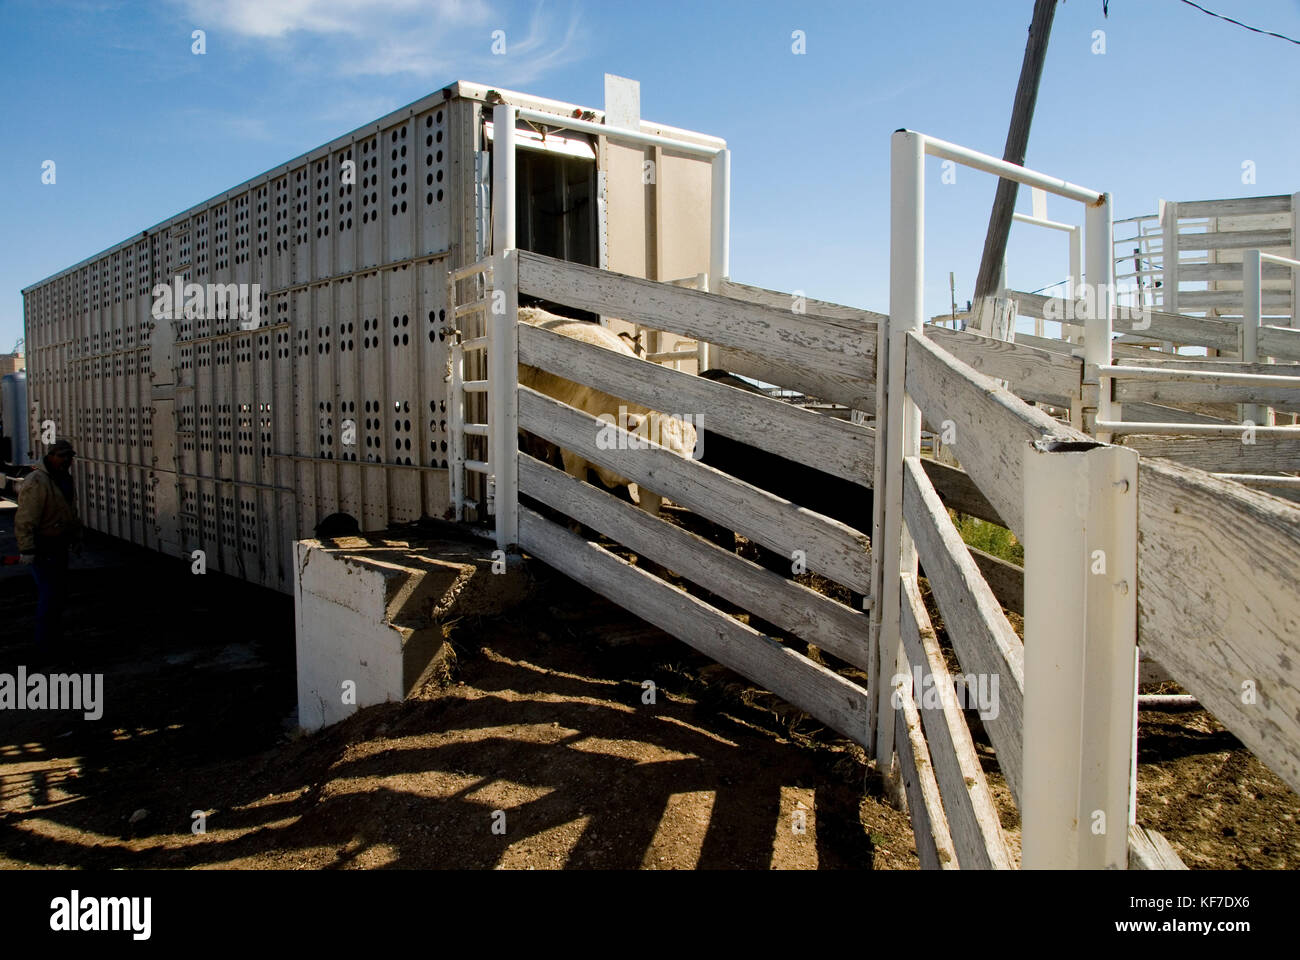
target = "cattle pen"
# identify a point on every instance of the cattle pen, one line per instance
(1150, 544)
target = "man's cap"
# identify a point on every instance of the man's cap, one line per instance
(62, 448)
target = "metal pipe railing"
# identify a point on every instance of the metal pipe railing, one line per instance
(1252, 309)
(1214, 376)
(720, 187)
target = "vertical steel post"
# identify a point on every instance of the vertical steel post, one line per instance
(503, 394)
(1080, 654)
(502, 332)
(504, 118)
(719, 235)
(1252, 307)
(899, 427)
(1072, 332)
(1098, 325)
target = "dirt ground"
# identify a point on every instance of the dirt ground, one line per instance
(544, 720)
(538, 753)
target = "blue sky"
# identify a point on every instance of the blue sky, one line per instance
(140, 128)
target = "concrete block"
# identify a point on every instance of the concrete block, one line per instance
(370, 610)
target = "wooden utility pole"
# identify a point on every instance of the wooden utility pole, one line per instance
(1022, 114)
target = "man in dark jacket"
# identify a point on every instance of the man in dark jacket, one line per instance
(47, 525)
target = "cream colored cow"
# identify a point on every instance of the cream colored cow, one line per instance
(671, 432)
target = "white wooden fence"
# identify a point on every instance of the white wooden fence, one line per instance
(839, 448)
(1122, 552)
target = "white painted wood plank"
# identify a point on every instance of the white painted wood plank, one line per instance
(1273, 302)
(972, 816)
(818, 619)
(856, 393)
(1217, 604)
(1235, 240)
(1148, 850)
(830, 547)
(1172, 391)
(977, 628)
(1140, 411)
(787, 301)
(934, 846)
(1220, 454)
(1282, 343)
(1217, 365)
(1201, 331)
(835, 446)
(992, 426)
(1231, 273)
(833, 700)
(816, 344)
(1006, 580)
(958, 492)
(1235, 206)
(1033, 373)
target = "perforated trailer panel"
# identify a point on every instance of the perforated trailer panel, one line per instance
(235, 436)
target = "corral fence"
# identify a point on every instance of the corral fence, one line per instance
(1122, 553)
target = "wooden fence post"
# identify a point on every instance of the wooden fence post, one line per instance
(1295, 255)
(1080, 521)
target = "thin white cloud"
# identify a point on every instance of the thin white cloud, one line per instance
(357, 18)
(429, 40)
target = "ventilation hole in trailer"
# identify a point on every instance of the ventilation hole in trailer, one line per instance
(395, 339)
(439, 196)
(403, 202)
(405, 339)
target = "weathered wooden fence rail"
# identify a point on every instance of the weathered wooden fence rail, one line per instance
(836, 447)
